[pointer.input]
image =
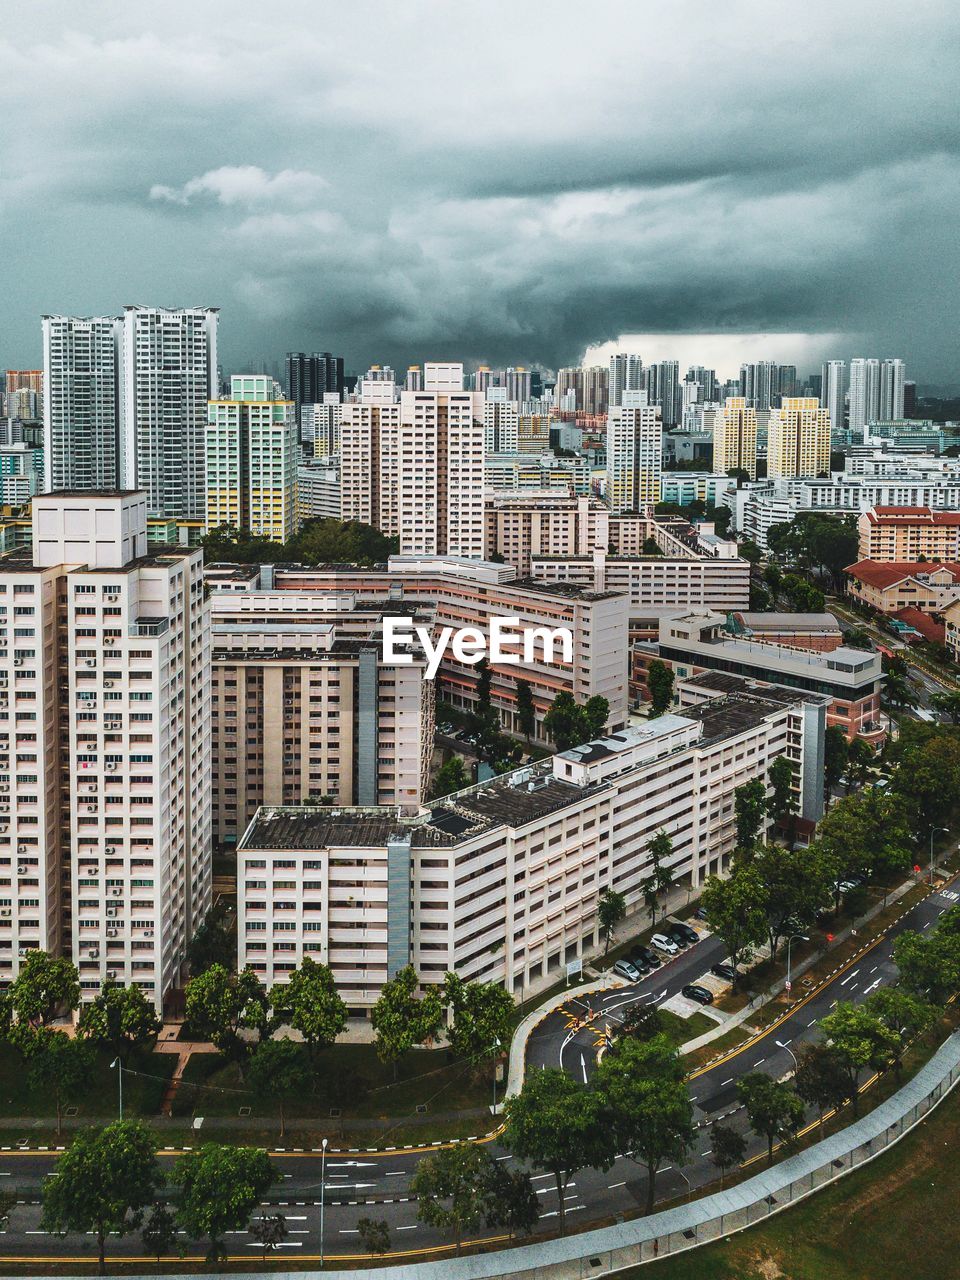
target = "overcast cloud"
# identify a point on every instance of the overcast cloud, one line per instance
(502, 182)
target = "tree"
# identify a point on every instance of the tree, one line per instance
(279, 1072)
(860, 1040)
(219, 1189)
(485, 712)
(401, 1019)
(773, 1110)
(159, 1232)
(645, 1103)
(802, 594)
(269, 1231)
(836, 751)
(898, 692)
(949, 704)
(860, 757)
(661, 849)
(453, 1188)
(526, 711)
(750, 552)
(562, 723)
(795, 882)
(221, 1005)
(650, 547)
(310, 1003)
(821, 1078)
(213, 942)
(737, 912)
(651, 897)
(858, 638)
(659, 686)
(451, 776)
(929, 964)
(102, 1183)
(782, 803)
(928, 775)
(729, 1148)
(331, 541)
(641, 1019)
(482, 1016)
(120, 1019)
(595, 713)
(750, 807)
(867, 831)
(374, 1235)
(556, 1124)
(512, 1201)
(611, 909)
(60, 1066)
(905, 1014)
(45, 986)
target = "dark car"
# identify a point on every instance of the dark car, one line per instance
(700, 913)
(725, 971)
(638, 959)
(676, 936)
(645, 954)
(683, 932)
(699, 994)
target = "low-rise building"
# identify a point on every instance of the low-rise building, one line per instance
(899, 534)
(818, 631)
(888, 588)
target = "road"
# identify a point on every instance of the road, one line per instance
(377, 1185)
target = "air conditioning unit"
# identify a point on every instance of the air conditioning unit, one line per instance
(94, 954)
(22, 951)
(91, 662)
(112, 768)
(116, 892)
(111, 973)
(21, 848)
(148, 933)
(91, 808)
(4, 829)
(111, 911)
(22, 870)
(110, 849)
(4, 786)
(111, 933)
(5, 912)
(109, 640)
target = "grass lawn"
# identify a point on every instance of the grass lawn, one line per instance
(350, 1077)
(898, 1216)
(143, 1087)
(680, 1030)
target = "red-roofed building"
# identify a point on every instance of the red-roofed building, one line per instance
(903, 534)
(927, 625)
(904, 585)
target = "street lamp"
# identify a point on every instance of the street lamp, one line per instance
(933, 832)
(323, 1190)
(780, 1045)
(688, 1182)
(119, 1065)
(496, 1046)
(797, 937)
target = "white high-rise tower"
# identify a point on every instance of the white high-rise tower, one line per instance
(832, 391)
(892, 374)
(82, 401)
(864, 392)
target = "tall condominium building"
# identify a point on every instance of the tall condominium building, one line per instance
(510, 472)
(864, 393)
(909, 399)
(734, 429)
(760, 384)
(833, 391)
(626, 374)
(707, 381)
(634, 454)
(517, 380)
(798, 439)
(82, 402)
(251, 459)
(892, 373)
(482, 379)
(379, 373)
(318, 490)
(23, 404)
(501, 424)
(788, 384)
(169, 376)
(320, 425)
(520, 526)
(311, 377)
(369, 429)
(662, 384)
(21, 473)
(104, 691)
(25, 380)
(414, 379)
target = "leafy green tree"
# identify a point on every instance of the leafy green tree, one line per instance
(512, 1201)
(729, 1148)
(651, 897)
(482, 1017)
(562, 723)
(868, 831)
(905, 1014)
(796, 882)
(836, 751)
(159, 1233)
(860, 1040)
(310, 1003)
(661, 850)
(221, 1005)
(928, 776)
(595, 713)
(120, 1019)
(278, 1072)
(650, 547)
(213, 942)
(556, 1124)
(220, 1187)
(782, 804)
(736, 910)
(641, 1019)
(898, 692)
(402, 1019)
(452, 1188)
(451, 777)
(526, 711)
(773, 1110)
(750, 807)
(949, 704)
(646, 1104)
(659, 686)
(821, 1078)
(45, 987)
(269, 1231)
(611, 909)
(929, 964)
(102, 1183)
(61, 1067)
(860, 757)
(488, 720)
(330, 541)
(374, 1235)
(858, 638)
(802, 594)
(750, 552)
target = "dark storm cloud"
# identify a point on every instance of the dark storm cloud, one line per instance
(493, 182)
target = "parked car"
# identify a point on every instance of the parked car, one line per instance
(665, 944)
(624, 969)
(700, 994)
(686, 931)
(700, 913)
(639, 960)
(645, 953)
(725, 971)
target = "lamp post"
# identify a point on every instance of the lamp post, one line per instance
(119, 1065)
(689, 1184)
(323, 1190)
(496, 1046)
(780, 1045)
(802, 937)
(933, 832)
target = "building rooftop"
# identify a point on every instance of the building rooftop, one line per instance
(787, 621)
(882, 573)
(567, 590)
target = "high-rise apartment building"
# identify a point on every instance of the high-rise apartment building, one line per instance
(517, 383)
(320, 425)
(798, 438)
(414, 379)
(864, 393)
(833, 391)
(24, 380)
(368, 435)
(105, 808)
(662, 384)
(760, 384)
(251, 459)
(82, 402)
(626, 374)
(501, 424)
(311, 377)
(634, 454)
(734, 429)
(892, 373)
(169, 376)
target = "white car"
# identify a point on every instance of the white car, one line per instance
(663, 943)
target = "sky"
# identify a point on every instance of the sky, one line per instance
(497, 182)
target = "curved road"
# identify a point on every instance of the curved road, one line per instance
(376, 1184)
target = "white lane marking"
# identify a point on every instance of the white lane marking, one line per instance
(875, 983)
(849, 976)
(412, 1227)
(583, 1067)
(612, 1186)
(724, 1083)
